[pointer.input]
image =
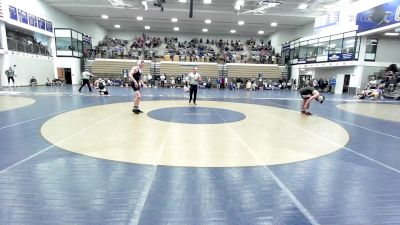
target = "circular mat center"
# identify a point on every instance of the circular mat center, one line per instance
(196, 115)
(201, 136)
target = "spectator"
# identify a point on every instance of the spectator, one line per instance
(33, 81)
(11, 74)
(49, 82)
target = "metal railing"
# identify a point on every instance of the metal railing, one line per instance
(19, 46)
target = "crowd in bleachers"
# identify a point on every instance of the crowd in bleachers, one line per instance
(220, 51)
(385, 85)
(124, 49)
(25, 43)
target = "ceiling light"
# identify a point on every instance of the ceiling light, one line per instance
(139, 18)
(207, 1)
(207, 21)
(117, 26)
(261, 32)
(241, 22)
(274, 24)
(174, 20)
(183, 1)
(392, 34)
(233, 31)
(176, 28)
(303, 6)
(205, 30)
(147, 27)
(104, 16)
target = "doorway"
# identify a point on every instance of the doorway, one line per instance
(65, 75)
(303, 80)
(346, 83)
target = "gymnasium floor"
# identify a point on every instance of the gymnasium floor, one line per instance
(237, 158)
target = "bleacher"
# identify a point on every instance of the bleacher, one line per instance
(178, 68)
(251, 70)
(113, 68)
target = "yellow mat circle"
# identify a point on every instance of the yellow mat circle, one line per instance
(267, 136)
(378, 111)
(12, 102)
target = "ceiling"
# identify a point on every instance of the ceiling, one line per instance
(222, 13)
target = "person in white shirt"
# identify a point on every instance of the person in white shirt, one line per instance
(10, 73)
(194, 78)
(372, 84)
(86, 76)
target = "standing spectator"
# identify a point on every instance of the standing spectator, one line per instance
(332, 84)
(194, 78)
(10, 73)
(86, 76)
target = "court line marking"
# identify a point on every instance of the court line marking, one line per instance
(30, 120)
(135, 219)
(344, 147)
(341, 121)
(307, 214)
(54, 145)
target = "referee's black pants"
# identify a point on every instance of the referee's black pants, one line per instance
(85, 82)
(193, 90)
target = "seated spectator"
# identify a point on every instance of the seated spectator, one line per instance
(58, 82)
(372, 94)
(248, 85)
(33, 81)
(49, 82)
(372, 84)
(254, 86)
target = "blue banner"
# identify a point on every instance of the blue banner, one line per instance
(22, 16)
(87, 40)
(379, 16)
(41, 23)
(49, 26)
(32, 20)
(340, 57)
(285, 47)
(13, 13)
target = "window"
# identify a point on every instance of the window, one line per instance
(312, 49)
(296, 50)
(335, 46)
(303, 50)
(372, 45)
(349, 45)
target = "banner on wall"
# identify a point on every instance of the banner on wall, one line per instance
(330, 19)
(13, 13)
(22, 16)
(379, 16)
(340, 57)
(41, 23)
(87, 40)
(32, 20)
(49, 26)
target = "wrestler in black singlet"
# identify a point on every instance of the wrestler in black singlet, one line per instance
(137, 77)
(306, 92)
